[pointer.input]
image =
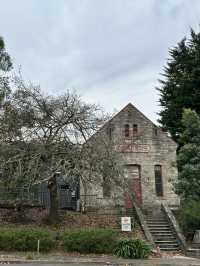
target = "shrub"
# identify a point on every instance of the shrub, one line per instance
(25, 239)
(29, 256)
(132, 248)
(189, 218)
(90, 241)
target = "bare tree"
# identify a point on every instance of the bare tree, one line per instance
(42, 135)
(103, 166)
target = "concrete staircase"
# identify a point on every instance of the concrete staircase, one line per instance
(163, 234)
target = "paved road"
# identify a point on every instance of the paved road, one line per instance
(69, 264)
(85, 264)
(163, 262)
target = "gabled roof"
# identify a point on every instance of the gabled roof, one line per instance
(114, 116)
(129, 105)
(134, 108)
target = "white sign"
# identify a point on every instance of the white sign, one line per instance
(126, 224)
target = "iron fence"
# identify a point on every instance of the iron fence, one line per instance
(17, 194)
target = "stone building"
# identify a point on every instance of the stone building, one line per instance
(149, 157)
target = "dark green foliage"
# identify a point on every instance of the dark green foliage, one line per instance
(5, 62)
(25, 239)
(90, 241)
(188, 159)
(189, 217)
(180, 87)
(5, 66)
(133, 249)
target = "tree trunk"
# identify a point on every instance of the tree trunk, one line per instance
(84, 204)
(53, 211)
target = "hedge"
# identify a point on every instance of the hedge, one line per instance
(25, 239)
(90, 241)
(189, 218)
(100, 241)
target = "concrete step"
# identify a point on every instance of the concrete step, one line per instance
(166, 242)
(165, 235)
(162, 233)
(158, 226)
(164, 238)
(169, 248)
(157, 223)
(168, 245)
(151, 218)
(155, 229)
(159, 231)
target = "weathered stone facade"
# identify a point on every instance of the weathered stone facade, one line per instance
(149, 156)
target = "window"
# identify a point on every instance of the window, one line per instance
(126, 131)
(109, 133)
(135, 129)
(158, 180)
(106, 188)
(155, 131)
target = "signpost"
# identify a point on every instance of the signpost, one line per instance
(126, 224)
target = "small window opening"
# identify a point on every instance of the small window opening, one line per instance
(106, 188)
(155, 131)
(129, 114)
(110, 132)
(135, 129)
(158, 180)
(126, 131)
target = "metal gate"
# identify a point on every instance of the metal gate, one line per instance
(68, 194)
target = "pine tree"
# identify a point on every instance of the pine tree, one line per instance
(180, 87)
(188, 159)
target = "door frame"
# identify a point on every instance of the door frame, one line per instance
(139, 202)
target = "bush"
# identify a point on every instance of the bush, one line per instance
(189, 218)
(132, 248)
(90, 241)
(25, 239)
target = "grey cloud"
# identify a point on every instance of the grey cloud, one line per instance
(93, 45)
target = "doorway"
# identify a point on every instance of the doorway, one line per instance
(133, 179)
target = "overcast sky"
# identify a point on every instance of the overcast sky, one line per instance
(110, 51)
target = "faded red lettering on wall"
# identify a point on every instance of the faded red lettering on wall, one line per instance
(132, 147)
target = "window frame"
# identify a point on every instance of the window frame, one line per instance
(126, 130)
(159, 189)
(135, 129)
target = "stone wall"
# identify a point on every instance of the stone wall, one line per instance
(148, 147)
(35, 215)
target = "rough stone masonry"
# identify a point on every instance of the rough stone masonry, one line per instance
(149, 160)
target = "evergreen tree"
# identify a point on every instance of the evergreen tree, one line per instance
(180, 87)
(5, 66)
(188, 159)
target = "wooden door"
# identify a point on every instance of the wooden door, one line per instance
(133, 177)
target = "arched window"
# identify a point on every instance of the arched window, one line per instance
(158, 180)
(126, 130)
(155, 130)
(135, 129)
